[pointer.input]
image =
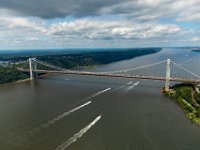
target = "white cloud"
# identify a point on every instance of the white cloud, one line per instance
(147, 10)
(13, 22)
(143, 10)
(104, 29)
(37, 32)
(128, 21)
(195, 39)
(20, 23)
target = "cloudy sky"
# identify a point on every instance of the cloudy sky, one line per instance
(43, 24)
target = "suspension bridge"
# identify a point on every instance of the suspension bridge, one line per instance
(166, 70)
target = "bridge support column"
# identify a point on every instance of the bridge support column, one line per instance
(35, 68)
(167, 75)
(31, 68)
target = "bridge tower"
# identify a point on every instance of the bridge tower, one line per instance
(32, 67)
(167, 75)
(35, 68)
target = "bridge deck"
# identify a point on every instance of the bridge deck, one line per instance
(110, 75)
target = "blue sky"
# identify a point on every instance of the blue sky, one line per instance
(44, 24)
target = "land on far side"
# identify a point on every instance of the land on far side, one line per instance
(86, 59)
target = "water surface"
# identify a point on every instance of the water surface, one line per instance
(97, 113)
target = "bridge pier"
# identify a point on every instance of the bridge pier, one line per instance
(32, 67)
(167, 75)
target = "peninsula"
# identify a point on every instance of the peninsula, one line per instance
(187, 96)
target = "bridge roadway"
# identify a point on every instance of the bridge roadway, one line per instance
(110, 75)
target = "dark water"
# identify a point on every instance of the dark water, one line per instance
(97, 113)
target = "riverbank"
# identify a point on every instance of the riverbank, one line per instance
(11, 74)
(6, 85)
(24, 80)
(187, 96)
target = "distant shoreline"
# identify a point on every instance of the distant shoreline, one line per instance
(70, 61)
(196, 50)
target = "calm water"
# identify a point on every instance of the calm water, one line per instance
(97, 113)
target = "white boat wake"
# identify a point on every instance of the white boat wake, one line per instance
(130, 87)
(59, 117)
(77, 135)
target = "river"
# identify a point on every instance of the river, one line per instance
(58, 112)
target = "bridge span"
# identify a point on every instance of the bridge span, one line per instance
(110, 75)
(172, 72)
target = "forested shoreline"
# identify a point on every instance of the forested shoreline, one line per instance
(11, 74)
(70, 61)
(187, 96)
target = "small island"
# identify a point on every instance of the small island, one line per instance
(187, 96)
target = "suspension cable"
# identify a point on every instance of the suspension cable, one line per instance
(137, 68)
(186, 70)
(48, 65)
(119, 71)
